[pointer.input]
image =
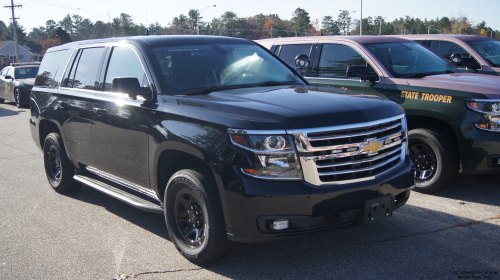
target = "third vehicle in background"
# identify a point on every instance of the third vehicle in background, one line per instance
(481, 54)
(16, 82)
(453, 117)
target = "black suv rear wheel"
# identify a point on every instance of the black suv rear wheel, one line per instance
(436, 159)
(194, 217)
(58, 167)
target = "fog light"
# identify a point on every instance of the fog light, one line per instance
(280, 224)
(498, 161)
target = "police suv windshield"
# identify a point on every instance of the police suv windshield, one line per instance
(198, 68)
(408, 60)
(490, 50)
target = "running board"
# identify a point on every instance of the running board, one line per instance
(119, 194)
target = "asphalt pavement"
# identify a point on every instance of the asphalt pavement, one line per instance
(454, 234)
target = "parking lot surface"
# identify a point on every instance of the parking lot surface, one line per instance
(454, 234)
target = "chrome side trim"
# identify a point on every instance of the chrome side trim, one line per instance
(123, 182)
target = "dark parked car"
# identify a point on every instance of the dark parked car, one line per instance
(453, 117)
(219, 136)
(16, 82)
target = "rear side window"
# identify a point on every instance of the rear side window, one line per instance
(446, 49)
(83, 75)
(289, 52)
(335, 59)
(48, 68)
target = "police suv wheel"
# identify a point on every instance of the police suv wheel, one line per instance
(194, 217)
(17, 98)
(58, 167)
(436, 159)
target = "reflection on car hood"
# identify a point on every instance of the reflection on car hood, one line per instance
(485, 84)
(291, 107)
(30, 81)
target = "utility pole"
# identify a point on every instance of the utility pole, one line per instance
(361, 22)
(14, 26)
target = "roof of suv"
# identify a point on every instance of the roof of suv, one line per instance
(359, 39)
(444, 37)
(154, 40)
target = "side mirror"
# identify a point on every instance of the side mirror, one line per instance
(302, 61)
(362, 72)
(131, 86)
(8, 77)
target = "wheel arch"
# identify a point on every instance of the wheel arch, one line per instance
(47, 127)
(430, 122)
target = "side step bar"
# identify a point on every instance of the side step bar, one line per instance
(119, 194)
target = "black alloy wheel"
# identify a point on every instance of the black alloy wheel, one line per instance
(436, 159)
(54, 163)
(425, 161)
(58, 167)
(17, 98)
(189, 218)
(194, 216)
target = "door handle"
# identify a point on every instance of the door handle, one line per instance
(99, 111)
(62, 104)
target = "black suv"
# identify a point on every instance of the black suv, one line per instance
(220, 136)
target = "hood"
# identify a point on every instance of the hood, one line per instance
(293, 107)
(487, 85)
(28, 82)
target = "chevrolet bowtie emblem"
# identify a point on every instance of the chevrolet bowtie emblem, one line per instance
(371, 145)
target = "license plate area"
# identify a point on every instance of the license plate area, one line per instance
(377, 209)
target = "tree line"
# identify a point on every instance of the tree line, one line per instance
(75, 27)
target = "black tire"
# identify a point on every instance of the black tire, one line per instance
(436, 158)
(17, 98)
(58, 167)
(2, 100)
(194, 217)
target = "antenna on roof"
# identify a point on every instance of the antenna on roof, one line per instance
(147, 31)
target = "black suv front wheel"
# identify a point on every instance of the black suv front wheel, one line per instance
(194, 217)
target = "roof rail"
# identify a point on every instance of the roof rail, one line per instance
(25, 63)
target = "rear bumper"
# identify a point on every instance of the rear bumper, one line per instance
(308, 208)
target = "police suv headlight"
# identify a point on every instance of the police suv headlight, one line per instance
(490, 109)
(275, 157)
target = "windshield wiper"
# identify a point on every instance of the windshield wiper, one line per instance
(209, 90)
(273, 83)
(423, 74)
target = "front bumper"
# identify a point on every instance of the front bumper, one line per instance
(481, 151)
(252, 204)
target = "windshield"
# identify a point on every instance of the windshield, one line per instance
(25, 72)
(405, 60)
(188, 68)
(490, 50)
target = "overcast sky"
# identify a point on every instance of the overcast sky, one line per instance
(35, 13)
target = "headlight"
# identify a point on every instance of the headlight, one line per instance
(274, 155)
(491, 113)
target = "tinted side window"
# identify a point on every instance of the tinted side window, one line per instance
(446, 49)
(48, 68)
(124, 62)
(335, 59)
(289, 52)
(85, 75)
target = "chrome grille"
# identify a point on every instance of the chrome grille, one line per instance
(351, 153)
